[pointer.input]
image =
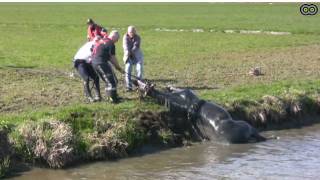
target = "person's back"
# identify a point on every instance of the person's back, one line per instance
(85, 51)
(82, 64)
(103, 50)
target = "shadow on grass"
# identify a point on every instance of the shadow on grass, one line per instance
(18, 67)
(162, 80)
(124, 99)
(173, 81)
(198, 87)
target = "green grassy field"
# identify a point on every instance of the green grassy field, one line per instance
(39, 40)
(47, 35)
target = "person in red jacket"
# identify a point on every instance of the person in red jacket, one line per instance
(93, 29)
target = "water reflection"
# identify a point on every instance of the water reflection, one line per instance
(293, 156)
(171, 164)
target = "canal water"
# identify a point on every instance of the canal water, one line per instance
(295, 155)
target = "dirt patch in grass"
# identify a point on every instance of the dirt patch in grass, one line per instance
(290, 63)
(218, 71)
(29, 88)
(32, 88)
(25, 89)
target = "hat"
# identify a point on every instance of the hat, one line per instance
(90, 21)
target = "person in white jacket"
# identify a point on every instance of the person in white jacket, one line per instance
(83, 65)
(132, 55)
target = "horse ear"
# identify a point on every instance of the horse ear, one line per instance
(148, 87)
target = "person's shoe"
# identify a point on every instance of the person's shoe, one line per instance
(90, 99)
(115, 100)
(97, 99)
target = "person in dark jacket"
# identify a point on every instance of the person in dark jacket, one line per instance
(104, 54)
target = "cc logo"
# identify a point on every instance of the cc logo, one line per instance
(308, 9)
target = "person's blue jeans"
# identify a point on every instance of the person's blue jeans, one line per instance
(128, 68)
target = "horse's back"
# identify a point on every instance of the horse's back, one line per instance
(214, 112)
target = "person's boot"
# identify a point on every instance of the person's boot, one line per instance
(90, 99)
(97, 98)
(87, 91)
(114, 97)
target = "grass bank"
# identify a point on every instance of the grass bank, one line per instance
(63, 136)
(78, 133)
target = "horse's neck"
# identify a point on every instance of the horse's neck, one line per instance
(159, 96)
(171, 101)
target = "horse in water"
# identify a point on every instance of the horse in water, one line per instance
(208, 120)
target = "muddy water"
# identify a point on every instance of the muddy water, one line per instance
(296, 155)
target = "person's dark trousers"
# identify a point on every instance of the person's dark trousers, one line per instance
(106, 73)
(86, 73)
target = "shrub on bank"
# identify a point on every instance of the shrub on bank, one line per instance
(4, 166)
(81, 133)
(273, 112)
(5, 153)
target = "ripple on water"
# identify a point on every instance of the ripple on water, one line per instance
(294, 156)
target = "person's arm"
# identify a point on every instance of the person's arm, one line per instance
(114, 60)
(126, 50)
(125, 44)
(136, 44)
(115, 63)
(97, 30)
(89, 33)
